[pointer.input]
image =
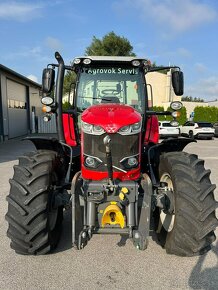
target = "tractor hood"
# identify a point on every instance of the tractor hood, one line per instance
(111, 117)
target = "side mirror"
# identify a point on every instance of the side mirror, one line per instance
(48, 77)
(178, 82)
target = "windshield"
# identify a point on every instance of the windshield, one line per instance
(166, 125)
(110, 85)
(205, 125)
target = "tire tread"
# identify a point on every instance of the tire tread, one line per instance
(195, 221)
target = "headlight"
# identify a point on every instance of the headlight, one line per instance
(92, 162)
(92, 129)
(98, 130)
(47, 118)
(87, 128)
(130, 162)
(174, 123)
(125, 130)
(77, 61)
(136, 62)
(136, 126)
(87, 61)
(131, 129)
(176, 105)
(47, 101)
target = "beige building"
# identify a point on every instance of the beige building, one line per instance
(162, 90)
(190, 106)
(163, 93)
(213, 103)
(67, 98)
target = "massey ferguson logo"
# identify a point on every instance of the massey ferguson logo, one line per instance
(111, 129)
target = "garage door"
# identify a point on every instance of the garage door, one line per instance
(17, 109)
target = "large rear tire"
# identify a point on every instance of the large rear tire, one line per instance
(189, 229)
(34, 223)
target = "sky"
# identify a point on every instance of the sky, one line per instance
(175, 32)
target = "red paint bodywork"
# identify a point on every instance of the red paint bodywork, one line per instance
(69, 131)
(152, 130)
(111, 117)
(93, 175)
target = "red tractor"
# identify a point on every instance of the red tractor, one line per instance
(109, 166)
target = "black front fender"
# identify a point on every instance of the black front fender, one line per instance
(173, 144)
(51, 143)
(152, 153)
(47, 143)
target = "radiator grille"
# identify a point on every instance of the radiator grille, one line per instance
(121, 147)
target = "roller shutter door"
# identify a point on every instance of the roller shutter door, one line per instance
(17, 109)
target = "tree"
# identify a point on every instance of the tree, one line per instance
(159, 109)
(207, 114)
(190, 99)
(110, 44)
(69, 78)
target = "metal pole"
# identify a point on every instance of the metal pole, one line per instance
(58, 95)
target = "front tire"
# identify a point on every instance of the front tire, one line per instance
(34, 224)
(189, 229)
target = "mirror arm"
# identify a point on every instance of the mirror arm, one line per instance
(68, 67)
(52, 65)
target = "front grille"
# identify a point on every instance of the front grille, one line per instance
(121, 146)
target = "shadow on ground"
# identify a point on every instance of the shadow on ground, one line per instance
(10, 150)
(207, 278)
(65, 242)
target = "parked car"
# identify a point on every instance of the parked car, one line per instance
(197, 130)
(215, 125)
(167, 130)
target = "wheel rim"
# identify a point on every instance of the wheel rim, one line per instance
(167, 220)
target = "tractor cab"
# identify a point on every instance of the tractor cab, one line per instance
(112, 80)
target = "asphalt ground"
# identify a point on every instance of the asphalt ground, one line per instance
(106, 262)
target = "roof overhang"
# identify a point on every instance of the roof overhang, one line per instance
(12, 72)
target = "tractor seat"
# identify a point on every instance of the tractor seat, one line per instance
(110, 99)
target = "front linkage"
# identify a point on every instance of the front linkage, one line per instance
(125, 205)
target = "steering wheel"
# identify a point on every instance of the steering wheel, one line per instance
(110, 92)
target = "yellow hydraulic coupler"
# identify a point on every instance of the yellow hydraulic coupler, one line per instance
(113, 216)
(122, 194)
